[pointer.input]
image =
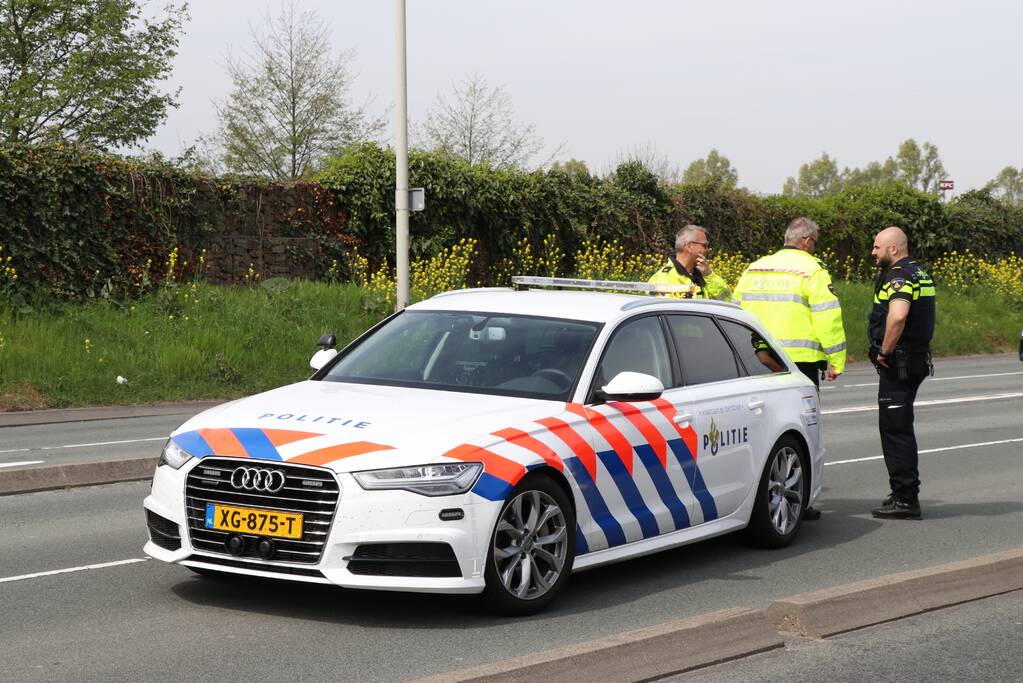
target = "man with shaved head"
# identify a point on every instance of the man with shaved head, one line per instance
(900, 330)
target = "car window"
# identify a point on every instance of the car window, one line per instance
(636, 346)
(704, 352)
(755, 353)
(512, 355)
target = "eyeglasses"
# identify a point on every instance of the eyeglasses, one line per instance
(702, 244)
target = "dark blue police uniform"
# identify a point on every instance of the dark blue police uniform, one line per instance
(908, 366)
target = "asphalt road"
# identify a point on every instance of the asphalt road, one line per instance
(148, 620)
(64, 443)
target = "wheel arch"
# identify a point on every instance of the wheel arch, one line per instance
(804, 448)
(558, 478)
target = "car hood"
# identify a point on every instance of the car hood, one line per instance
(350, 427)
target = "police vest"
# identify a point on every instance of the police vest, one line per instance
(712, 286)
(790, 292)
(905, 280)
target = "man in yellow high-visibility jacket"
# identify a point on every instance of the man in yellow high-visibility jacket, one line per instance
(689, 266)
(790, 292)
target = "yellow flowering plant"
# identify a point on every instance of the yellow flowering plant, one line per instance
(8, 275)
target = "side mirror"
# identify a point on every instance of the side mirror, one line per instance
(326, 345)
(632, 386)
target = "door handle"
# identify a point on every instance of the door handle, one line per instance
(755, 404)
(682, 419)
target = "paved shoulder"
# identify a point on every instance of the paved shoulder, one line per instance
(39, 417)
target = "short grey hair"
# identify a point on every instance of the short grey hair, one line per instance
(685, 235)
(799, 229)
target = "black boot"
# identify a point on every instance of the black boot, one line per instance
(811, 514)
(898, 508)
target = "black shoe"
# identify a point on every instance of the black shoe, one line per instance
(811, 514)
(898, 508)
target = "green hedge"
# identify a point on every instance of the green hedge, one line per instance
(497, 207)
(80, 224)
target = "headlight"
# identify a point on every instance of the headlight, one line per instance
(174, 455)
(429, 480)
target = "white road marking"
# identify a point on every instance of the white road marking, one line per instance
(930, 450)
(936, 379)
(72, 569)
(83, 445)
(936, 402)
(18, 464)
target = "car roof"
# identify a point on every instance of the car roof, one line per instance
(573, 305)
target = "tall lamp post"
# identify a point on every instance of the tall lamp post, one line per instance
(401, 189)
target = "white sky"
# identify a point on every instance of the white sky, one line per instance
(771, 85)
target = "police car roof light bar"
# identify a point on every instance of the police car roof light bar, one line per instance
(523, 282)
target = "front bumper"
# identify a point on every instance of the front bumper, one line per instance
(363, 518)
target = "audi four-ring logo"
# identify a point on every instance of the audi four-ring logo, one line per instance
(255, 479)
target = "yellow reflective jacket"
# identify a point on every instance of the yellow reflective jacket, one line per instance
(712, 286)
(790, 292)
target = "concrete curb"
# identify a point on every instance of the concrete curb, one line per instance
(844, 608)
(51, 416)
(702, 641)
(647, 653)
(32, 479)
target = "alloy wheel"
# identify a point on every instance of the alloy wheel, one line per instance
(785, 490)
(531, 544)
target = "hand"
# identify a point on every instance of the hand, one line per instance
(832, 373)
(882, 360)
(703, 266)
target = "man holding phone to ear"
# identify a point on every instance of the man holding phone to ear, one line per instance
(689, 266)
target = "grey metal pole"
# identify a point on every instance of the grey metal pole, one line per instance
(401, 161)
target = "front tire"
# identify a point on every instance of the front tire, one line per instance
(532, 548)
(782, 496)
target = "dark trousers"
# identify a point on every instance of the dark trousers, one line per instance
(813, 371)
(895, 399)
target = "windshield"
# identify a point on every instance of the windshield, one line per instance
(505, 355)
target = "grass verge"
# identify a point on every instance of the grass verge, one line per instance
(198, 341)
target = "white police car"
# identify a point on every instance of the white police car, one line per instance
(495, 441)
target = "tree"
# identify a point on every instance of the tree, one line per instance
(647, 156)
(874, 173)
(919, 168)
(816, 179)
(477, 123)
(289, 106)
(84, 71)
(1008, 185)
(572, 167)
(716, 168)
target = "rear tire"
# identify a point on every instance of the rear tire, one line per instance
(782, 496)
(532, 548)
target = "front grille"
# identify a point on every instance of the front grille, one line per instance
(404, 559)
(311, 491)
(259, 567)
(163, 532)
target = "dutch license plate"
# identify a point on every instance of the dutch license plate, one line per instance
(252, 521)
